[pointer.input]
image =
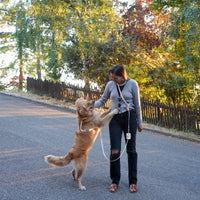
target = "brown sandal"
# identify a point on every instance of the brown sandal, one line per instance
(113, 188)
(133, 188)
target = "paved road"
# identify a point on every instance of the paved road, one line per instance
(168, 168)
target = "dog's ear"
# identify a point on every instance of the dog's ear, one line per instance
(82, 95)
(85, 107)
(87, 97)
(77, 101)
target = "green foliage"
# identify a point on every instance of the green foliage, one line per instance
(161, 77)
(87, 38)
(54, 67)
(163, 4)
(48, 32)
(181, 40)
(2, 86)
(175, 84)
(185, 29)
(140, 69)
(111, 52)
(89, 25)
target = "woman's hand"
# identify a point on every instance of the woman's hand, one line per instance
(140, 128)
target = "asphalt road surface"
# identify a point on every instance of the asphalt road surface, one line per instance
(168, 168)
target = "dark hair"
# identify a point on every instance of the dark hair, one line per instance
(119, 70)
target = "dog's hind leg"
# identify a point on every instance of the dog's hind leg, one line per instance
(74, 174)
(80, 166)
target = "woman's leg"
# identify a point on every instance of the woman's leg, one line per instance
(132, 164)
(115, 142)
(131, 151)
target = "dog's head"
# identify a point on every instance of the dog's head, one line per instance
(84, 107)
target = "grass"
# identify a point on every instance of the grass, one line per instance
(43, 98)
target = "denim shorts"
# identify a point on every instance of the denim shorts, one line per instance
(119, 125)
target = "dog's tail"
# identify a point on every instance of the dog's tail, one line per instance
(58, 161)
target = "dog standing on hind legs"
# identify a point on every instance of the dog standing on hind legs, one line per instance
(92, 122)
(78, 154)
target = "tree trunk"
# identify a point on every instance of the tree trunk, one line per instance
(87, 82)
(21, 76)
(38, 69)
(38, 61)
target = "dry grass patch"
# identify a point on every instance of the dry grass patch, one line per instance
(67, 104)
(44, 99)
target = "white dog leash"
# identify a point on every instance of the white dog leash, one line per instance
(102, 147)
(128, 135)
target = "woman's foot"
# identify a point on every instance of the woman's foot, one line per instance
(133, 188)
(113, 187)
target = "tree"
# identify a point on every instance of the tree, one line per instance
(17, 16)
(21, 39)
(48, 32)
(53, 27)
(35, 32)
(182, 38)
(142, 26)
(90, 24)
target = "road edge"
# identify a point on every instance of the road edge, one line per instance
(68, 109)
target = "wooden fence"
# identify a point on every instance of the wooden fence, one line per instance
(61, 90)
(182, 118)
(178, 117)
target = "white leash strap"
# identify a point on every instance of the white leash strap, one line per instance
(104, 151)
(127, 107)
(128, 135)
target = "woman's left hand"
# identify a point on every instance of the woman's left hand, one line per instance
(140, 128)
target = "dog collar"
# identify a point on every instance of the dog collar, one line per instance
(86, 130)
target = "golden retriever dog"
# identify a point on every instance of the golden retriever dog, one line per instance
(90, 123)
(88, 118)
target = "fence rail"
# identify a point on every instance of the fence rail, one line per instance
(61, 90)
(182, 118)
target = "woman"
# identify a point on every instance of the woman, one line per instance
(124, 94)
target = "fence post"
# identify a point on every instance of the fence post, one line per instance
(158, 109)
(170, 115)
(198, 121)
(28, 82)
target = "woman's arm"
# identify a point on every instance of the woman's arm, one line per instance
(136, 102)
(106, 95)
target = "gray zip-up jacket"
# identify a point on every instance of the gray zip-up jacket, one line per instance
(130, 93)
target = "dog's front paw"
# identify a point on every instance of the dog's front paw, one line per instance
(115, 111)
(109, 110)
